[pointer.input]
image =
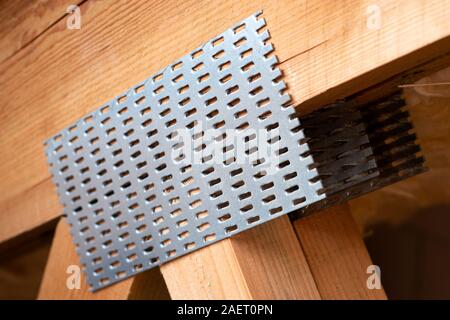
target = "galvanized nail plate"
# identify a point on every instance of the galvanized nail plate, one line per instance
(204, 149)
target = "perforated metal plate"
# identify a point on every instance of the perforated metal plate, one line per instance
(133, 196)
(360, 148)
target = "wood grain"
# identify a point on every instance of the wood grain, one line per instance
(147, 285)
(336, 254)
(22, 21)
(212, 272)
(327, 51)
(266, 262)
(33, 208)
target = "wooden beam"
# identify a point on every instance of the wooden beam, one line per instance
(212, 272)
(147, 285)
(30, 210)
(265, 262)
(336, 254)
(22, 21)
(326, 52)
(22, 266)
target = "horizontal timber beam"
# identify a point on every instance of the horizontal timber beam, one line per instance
(22, 21)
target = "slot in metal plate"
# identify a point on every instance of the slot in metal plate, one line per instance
(360, 148)
(135, 199)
